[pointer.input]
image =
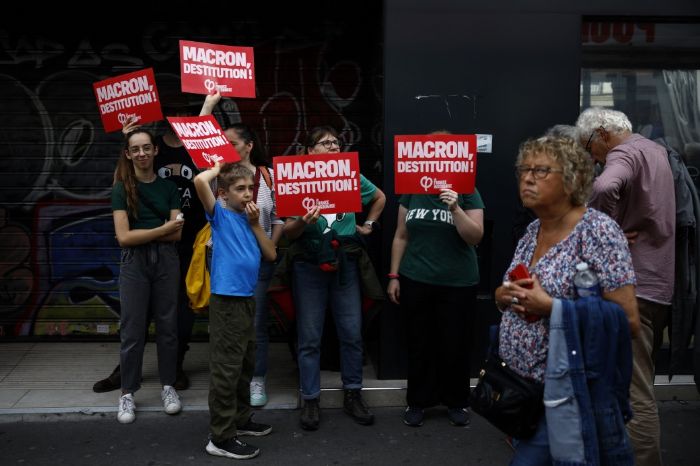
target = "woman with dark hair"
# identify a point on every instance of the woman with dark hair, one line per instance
(254, 158)
(146, 212)
(315, 284)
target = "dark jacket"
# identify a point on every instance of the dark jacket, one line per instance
(685, 293)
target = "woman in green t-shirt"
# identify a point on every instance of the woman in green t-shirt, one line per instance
(433, 278)
(147, 222)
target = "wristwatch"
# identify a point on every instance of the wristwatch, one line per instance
(373, 224)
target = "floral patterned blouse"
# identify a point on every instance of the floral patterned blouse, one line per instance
(596, 240)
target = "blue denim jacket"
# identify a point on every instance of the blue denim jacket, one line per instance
(586, 394)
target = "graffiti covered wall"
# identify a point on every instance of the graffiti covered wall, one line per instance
(58, 257)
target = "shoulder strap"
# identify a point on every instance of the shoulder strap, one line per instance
(265, 173)
(256, 186)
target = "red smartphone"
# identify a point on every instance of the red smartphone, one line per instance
(518, 273)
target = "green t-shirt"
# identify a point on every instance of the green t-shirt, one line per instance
(162, 194)
(343, 223)
(435, 252)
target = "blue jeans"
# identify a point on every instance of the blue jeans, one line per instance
(533, 451)
(262, 338)
(314, 290)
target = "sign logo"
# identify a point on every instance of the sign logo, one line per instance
(124, 117)
(209, 84)
(211, 158)
(309, 203)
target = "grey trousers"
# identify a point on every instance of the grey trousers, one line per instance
(149, 276)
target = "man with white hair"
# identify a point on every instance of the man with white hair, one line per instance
(636, 189)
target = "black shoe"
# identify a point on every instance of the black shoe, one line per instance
(458, 416)
(232, 448)
(355, 407)
(254, 428)
(113, 382)
(310, 414)
(413, 417)
(182, 382)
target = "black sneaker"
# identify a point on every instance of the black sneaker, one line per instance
(355, 407)
(113, 382)
(182, 382)
(254, 428)
(310, 414)
(413, 417)
(232, 448)
(458, 416)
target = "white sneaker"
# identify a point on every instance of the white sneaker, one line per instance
(126, 415)
(258, 397)
(171, 402)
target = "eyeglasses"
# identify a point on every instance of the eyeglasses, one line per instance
(538, 172)
(146, 148)
(590, 139)
(328, 143)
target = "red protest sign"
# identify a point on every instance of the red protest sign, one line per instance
(330, 181)
(204, 140)
(424, 164)
(128, 96)
(209, 67)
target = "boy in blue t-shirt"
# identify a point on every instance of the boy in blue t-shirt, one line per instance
(239, 240)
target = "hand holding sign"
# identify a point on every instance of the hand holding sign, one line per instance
(330, 182)
(202, 137)
(426, 164)
(127, 97)
(312, 215)
(450, 198)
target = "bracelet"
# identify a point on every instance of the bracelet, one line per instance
(392, 276)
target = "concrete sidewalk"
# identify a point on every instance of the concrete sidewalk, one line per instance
(58, 378)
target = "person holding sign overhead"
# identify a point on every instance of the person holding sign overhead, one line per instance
(325, 254)
(253, 157)
(433, 277)
(240, 242)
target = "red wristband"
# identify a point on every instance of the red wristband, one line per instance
(392, 275)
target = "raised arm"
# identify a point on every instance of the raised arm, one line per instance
(210, 102)
(202, 185)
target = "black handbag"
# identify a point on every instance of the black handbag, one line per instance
(507, 400)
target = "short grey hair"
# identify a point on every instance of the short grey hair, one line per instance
(593, 118)
(575, 162)
(562, 131)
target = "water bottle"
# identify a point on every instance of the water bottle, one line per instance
(586, 281)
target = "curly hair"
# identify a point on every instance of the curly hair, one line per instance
(576, 164)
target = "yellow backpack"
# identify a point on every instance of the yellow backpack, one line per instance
(197, 280)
